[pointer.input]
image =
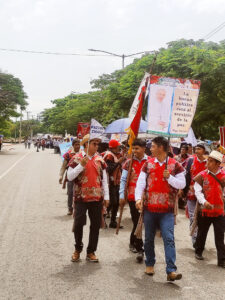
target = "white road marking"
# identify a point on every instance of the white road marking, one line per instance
(16, 163)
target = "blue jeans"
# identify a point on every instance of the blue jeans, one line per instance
(164, 221)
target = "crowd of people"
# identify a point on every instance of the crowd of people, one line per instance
(152, 181)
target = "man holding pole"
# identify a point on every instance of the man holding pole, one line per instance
(160, 179)
(131, 171)
(209, 185)
(88, 170)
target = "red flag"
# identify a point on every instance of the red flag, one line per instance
(132, 131)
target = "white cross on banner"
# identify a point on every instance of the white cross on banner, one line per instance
(96, 129)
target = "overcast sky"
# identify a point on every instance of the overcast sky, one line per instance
(74, 26)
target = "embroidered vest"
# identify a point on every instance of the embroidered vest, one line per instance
(136, 169)
(213, 192)
(88, 184)
(196, 168)
(159, 195)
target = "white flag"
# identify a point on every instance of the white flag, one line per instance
(96, 129)
(135, 104)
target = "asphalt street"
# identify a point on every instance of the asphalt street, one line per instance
(36, 244)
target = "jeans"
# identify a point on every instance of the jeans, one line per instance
(137, 243)
(164, 221)
(70, 195)
(203, 228)
(191, 210)
(95, 214)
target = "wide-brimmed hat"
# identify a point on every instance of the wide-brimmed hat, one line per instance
(216, 155)
(86, 138)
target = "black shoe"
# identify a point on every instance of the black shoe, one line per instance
(221, 264)
(139, 257)
(199, 256)
(132, 248)
(114, 225)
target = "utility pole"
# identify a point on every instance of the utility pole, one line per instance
(123, 56)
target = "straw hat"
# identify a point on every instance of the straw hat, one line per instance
(86, 138)
(216, 155)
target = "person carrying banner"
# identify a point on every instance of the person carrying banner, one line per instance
(209, 186)
(160, 178)
(67, 157)
(114, 160)
(88, 170)
(195, 165)
(139, 158)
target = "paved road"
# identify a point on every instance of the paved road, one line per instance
(36, 244)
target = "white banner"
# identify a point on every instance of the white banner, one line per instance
(171, 105)
(134, 106)
(96, 129)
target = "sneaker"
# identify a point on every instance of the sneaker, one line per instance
(76, 256)
(132, 248)
(139, 257)
(174, 276)
(92, 257)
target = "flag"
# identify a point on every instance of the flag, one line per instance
(132, 131)
(134, 106)
(222, 139)
(96, 129)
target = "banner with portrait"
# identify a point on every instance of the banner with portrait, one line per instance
(171, 105)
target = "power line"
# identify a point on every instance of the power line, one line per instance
(49, 53)
(108, 54)
(214, 31)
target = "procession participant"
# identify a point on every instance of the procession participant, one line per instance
(160, 178)
(195, 165)
(183, 156)
(114, 159)
(190, 149)
(88, 170)
(139, 158)
(43, 144)
(1, 142)
(67, 157)
(209, 185)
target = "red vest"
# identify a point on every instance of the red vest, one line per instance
(196, 168)
(88, 184)
(213, 192)
(136, 169)
(159, 195)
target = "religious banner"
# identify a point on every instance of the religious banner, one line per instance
(222, 139)
(82, 129)
(171, 105)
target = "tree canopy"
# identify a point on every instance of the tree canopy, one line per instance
(112, 94)
(11, 96)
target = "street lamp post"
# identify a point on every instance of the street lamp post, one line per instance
(123, 56)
